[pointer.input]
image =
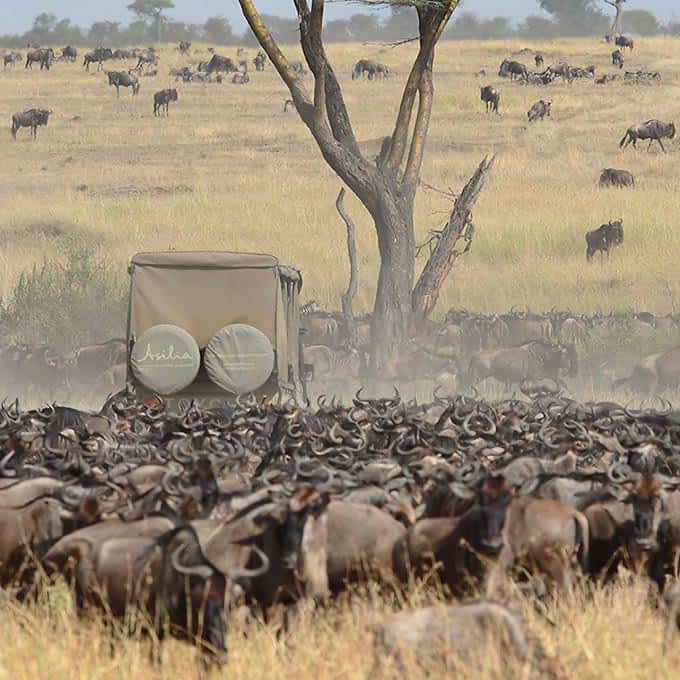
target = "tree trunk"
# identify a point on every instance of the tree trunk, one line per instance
(616, 26)
(391, 318)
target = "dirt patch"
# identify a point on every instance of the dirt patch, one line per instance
(131, 191)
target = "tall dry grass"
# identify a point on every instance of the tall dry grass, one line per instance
(614, 632)
(228, 169)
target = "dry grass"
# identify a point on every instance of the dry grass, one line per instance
(229, 170)
(613, 632)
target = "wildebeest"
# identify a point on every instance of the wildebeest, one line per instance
(530, 361)
(491, 97)
(610, 177)
(539, 110)
(99, 55)
(288, 105)
(124, 79)
(617, 58)
(69, 52)
(604, 238)
(371, 68)
(512, 69)
(298, 67)
(464, 632)
(184, 46)
(219, 63)
(32, 118)
(43, 56)
(10, 59)
(653, 130)
(146, 58)
(162, 99)
(654, 373)
(623, 41)
(122, 54)
(538, 59)
(260, 60)
(240, 78)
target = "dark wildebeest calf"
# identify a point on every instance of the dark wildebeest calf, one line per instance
(32, 118)
(512, 69)
(539, 60)
(539, 110)
(162, 99)
(70, 53)
(604, 238)
(44, 56)
(610, 177)
(622, 41)
(260, 60)
(373, 69)
(653, 130)
(491, 97)
(98, 56)
(124, 79)
(617, 58)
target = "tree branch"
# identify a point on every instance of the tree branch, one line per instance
(438, 14)
(353, 283)
(426, 291)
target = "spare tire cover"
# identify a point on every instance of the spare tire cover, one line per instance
(165, 359)
(239, 358)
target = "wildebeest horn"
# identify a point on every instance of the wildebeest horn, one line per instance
(201, 570)
(240, 573)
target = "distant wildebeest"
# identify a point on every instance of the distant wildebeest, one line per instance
(32, 118)
(610, 177)
(288, 104)
(512, 69)
(260, 60)
(219, 63)
(561, 69)
(373, 69)
(622, 41)
(162, 99)
(539, 110)
(544, 78)
(122, 54)
(653, 130)
(578, 72)
(147, 58)
(184, 46)
(43, 56)
(654, 373)
(99, 55)
(69, 53)
(491, 97)
(11, 59)
(124, 79)
(298, 67)
(641, 76)
(240, 78)
(531, 361)
(617, 58)
(539, 60)
(604, 238)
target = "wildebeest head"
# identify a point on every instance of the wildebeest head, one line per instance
(306, 503)
(671, 134)
(486, 534)
(647, 510)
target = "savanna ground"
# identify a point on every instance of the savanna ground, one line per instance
(229, 170)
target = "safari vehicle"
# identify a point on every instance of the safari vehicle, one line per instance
(211, 326)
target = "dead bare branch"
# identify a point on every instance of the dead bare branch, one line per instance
(353, 284)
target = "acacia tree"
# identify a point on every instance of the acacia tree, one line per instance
(387, 185)
(152, 10)
(616, 26)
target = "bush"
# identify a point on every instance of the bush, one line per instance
(67, 302)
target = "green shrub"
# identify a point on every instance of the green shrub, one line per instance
(66, 302)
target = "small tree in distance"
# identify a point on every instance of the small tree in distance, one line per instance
(152, 10)
(386, 185)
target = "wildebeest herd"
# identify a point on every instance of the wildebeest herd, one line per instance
(184, 516)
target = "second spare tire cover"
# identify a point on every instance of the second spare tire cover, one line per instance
(239, 358)
(165, 359)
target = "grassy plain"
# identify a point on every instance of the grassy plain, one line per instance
(612, 633)
(229, 170)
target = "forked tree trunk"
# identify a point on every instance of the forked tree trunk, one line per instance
(391, 320)
(616, 26)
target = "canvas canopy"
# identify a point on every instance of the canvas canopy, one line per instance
(201, 292)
